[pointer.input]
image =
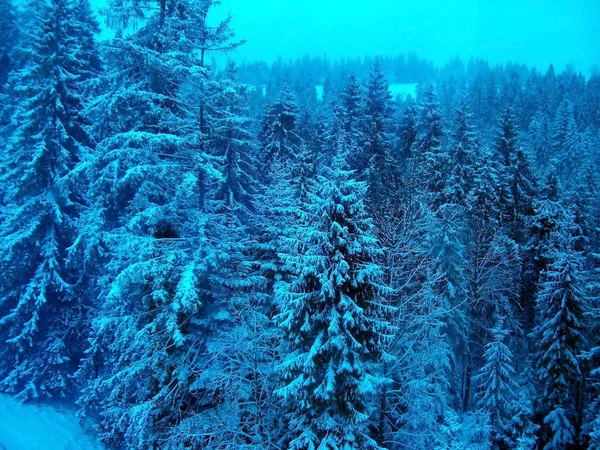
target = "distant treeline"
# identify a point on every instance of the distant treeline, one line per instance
(201, 263)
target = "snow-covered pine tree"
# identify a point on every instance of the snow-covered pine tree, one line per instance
(408, 129)
(506, 146)
(373, 160)
(493, 269)
(446, 239)
(524, 192)
(332, 312)
(87, 28)
(279, 214)
(464, 148)
(536, 254)
(42, 320)
(332, 129)
(8, 38)
(493, 287)
(565, 142)
(236, 368)
(232, 143)
(158, 221)
(351, 104)
(592, 361)
(558, 337)
(591, 98)
(447, 234)
(430, 159)
(562, 433)
(404, 150)
(484, 197)
(422, 410)
(278, 136)
(497, 384)
(12, 45)
(592, 357)
(540, 143)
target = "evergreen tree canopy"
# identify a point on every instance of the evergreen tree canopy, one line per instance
(333, 314)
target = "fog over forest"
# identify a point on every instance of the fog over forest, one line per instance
(312, 225)
(532, 32)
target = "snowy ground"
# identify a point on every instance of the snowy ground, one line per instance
(403, 90)
(37, 427)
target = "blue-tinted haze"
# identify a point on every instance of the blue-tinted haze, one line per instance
(535, 32)
(375, 254)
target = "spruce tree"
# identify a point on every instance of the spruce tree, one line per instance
(279, 135)
(523, 192)
(166, 227)
(484, 197)
(539, 139)
(351, 102)
(43, 318)
(496, 379)
(561, 305)
(423, 407)
(373, 161)
(592, 361)
(87, 28)
(408, 129)
(232, 143)
(565, 142)
(591, 98)
(506, 146)
(464, 148)
(430, 157)
(8, 39)
(332, 315)
(537, 253)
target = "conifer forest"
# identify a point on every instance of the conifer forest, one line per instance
(371, 253)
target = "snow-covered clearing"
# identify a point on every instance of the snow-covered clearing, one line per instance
(403, 90)
(41, 427)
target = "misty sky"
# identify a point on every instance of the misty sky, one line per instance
(536, 32)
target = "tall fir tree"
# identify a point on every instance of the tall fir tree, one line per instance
(351, 103)
(169, 193)
(279, 136)
(506, 146)
(592, 362)
(232, 143)
(408, 129)
(373, 161)
(496, 378)
(423, 408)
(565, 142)
(465, 144)
(430, 157)
(8, 39)
(43, 320)
(523, 186)
(540, 143)
(537, 252)
(561, 306)
(332, 312)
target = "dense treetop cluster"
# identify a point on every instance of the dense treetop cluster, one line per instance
(205, 256)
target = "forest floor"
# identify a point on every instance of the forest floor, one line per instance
(42, 427)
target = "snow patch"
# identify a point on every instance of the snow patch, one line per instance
(41, 427)
(319, 89)
(403, 90)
